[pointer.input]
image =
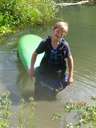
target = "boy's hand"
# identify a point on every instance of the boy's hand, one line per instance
(70, 80)
(31, 73)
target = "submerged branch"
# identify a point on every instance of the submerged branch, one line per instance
(77, 3)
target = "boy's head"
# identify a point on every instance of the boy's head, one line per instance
(60, 29)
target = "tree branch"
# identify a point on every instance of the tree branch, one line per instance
(77, 3)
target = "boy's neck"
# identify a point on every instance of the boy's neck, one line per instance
(55, 41)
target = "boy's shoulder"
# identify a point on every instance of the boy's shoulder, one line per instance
(64, 42)
(47, 39)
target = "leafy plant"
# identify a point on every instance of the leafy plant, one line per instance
(22, 13)
(5, 112)
(24, 116)
(86, 113)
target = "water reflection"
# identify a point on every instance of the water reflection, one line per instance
(82, 39)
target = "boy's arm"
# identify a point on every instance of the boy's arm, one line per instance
(40, 49)
(70, 69)
(33, 60)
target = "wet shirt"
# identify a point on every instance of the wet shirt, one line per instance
(54, 58)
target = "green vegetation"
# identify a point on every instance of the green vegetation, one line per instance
(4, 111)
(20, 13)
(17, 13)
(86, 114)
(24, 117)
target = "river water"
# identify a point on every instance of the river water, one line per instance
(82, 40)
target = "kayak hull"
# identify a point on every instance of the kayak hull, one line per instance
(26, 46)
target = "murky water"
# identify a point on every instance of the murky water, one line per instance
(82, 39)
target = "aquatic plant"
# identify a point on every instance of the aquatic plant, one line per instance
(5, 112)
(24, 117)
(86, 113)
(26, 114)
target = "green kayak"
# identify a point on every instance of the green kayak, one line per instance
(26, 46)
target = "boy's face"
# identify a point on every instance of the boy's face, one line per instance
(59, 32)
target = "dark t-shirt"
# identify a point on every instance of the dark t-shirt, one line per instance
(54, 58)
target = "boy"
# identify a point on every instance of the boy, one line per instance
(57, 55)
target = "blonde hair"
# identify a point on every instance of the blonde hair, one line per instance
(62, 25)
